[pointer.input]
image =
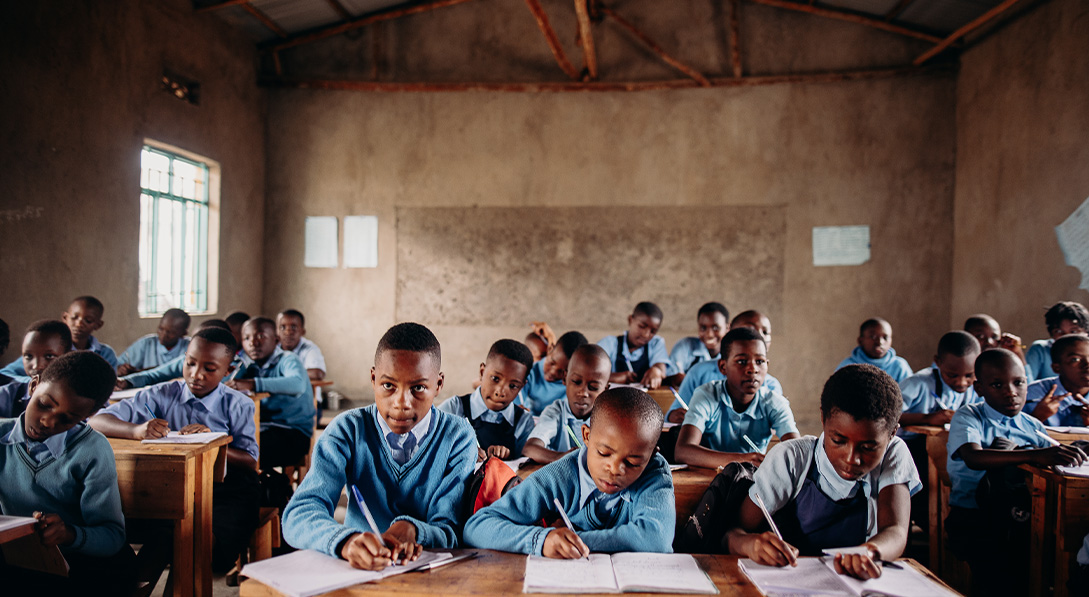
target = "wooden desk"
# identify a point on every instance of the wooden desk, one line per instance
(257, 398)
(174, 482)
(1060, 521)
(664, 397)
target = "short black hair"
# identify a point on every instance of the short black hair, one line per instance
(872, 322)
(649, 309)
(294, 313)
(5, 336)
(237, 318)
(980, 319)
(218, 335)
(180, 315)
(864, 392)
(958, 343)
(90, 301)
(712, 308)
(570, 341)
(86, 373)
(589, 352)
(1063, 343)
(513, 350)
(52, 327)
(260, 322)
(629, 404)
(996, 357)
(742, 334)
(214, 323)
(1066, 310)
(744, 315)
(412, 337)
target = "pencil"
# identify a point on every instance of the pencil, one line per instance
(678, 397)
(751, 444)
(767, 515)
(367, 514)
(148, 407)
(566, 520)
(574, 437)
(1049, 439)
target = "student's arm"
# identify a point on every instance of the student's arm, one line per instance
(241, 458)
(622, 377)
(659, 363)
(440, 529)
(512, 523)
(14, 370)
(315, 374)
(167, 371)
(677, 411)
(917, 403)
(782, 418)
(754, 539)
(893, 522)
(103, 530)
(937, 418)
(652, 379)
(289, 383)
(1046, 406)
(978, 458)
(1012, 343)
(653, 519)
(521, 433)
(536, 451)
(111, 426)
(689, 451)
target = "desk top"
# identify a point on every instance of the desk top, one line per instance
(926, 429)
(133, 449)
(324, 383)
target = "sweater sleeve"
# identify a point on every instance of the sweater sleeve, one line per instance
(167, 371)
(443, 524)
(653, 517)
(103, 530)
(511, 523)
(291, 380)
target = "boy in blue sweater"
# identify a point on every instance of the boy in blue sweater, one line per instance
(617, 491)
(501, 426)
(544, 384)
(57, 469)
(639, 354)
(875, 348)
(712, 320)
(1062, 319)
(166, 344)
(287, 416)
(558, 425)
(409, 461)
(83, 318)
(172, 369)
(44, 341)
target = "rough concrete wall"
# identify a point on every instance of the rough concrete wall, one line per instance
(1022, 167)
(80, 94)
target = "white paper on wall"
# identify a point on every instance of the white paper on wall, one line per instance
(841, 245)
(360, 241)
(1073, 236)
(321, 242)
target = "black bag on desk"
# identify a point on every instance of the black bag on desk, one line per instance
(716, 512)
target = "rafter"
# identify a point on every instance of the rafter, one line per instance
(586, 38)
(850, 17)
(976, 23)
(224, 4)
(550, 38)
(267, 22)
(340, 10)
(735, 37)
(647, 41)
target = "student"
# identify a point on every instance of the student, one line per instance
(986, 329)
(199, 404)
(236, 319)
(287, 416)
(1062, 319)
(711, 320)
(849, 487)
(59, 470)
(44, 341)
(617, 492)
(1061, 401)
(83, 318)
(408, 460)
(5, 339)
(639, 354)
(723, 413)
(545, 382)
(710, 371)
(875, 348)
(171, 369)
(291, 329)
(501, 426)
(165, 345)
(987, 436)
(587, 378)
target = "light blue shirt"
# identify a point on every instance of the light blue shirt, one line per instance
(705, 373)
(15, 369)
(780, 477)
(1067, 414)
(688, 352)
(711, 411)
(223, 409)
(920, 395)
(147, 352)
(656, 346)
(310, 354)
(1037, 360)
(403, 445)
(550, 426)
(540, 391)
(53, 446)
(478, 409)
(896, 367)
(981, 424)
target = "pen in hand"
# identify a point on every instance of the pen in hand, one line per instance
(566, 520)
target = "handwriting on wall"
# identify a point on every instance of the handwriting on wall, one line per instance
(29, 212)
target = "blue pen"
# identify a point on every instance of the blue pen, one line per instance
(367, 514)
(148, 407)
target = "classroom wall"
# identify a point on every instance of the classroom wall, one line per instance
(867, 152)
(1022, 167)
(81, 93)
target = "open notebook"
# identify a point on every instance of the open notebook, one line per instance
(618, 573)
(28, 552)
(307, 572)
(191, 438)
(816, 576)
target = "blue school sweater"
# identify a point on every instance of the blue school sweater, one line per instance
(15, 369)
(171, 369)
(895, 366)
(291, 404)
(13, 399)
(426, 491)
(148, 352)
(644, 517)
(80, 485)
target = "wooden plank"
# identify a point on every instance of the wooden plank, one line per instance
(220, 5)
(339, 9)
(17, 533)
(654, 47)
(550, 38)
(663, 397)
(850, 17)
(586, 38)
(202, 515)
(974, 24)
(150, 488)
(897, 10)
(182, 566)
(735, 37)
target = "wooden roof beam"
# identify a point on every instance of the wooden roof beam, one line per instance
(267, 22)
(735, 37)
(224, 4)
(649, 43)
(976, 23)
(550, 38)
(897, 10)
(586, 38)
(850, 17)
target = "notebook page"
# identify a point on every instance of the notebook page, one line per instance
(11, 522)
(306, 572)
(192, 438)
(548, 575)
(809, 578)
(660, 573)
(907, 582)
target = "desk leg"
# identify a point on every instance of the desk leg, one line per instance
(202, 523)
(934, 509)
(181, 571)
(1039, 577)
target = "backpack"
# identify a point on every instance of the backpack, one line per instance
(717, 511)
(491, 481)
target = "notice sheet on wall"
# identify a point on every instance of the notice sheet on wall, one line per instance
(360, 241)
(1073, 236)
(841, 245)
(321, 242)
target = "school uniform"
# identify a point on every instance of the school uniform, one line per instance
(638, 360)
(148, 352)
(13, 399)
(551, 424)
(925, 392)
(418, 477)
(896, 367)
(310, 354)
(171, 370)
(288, 415)
(641, 517)
(539, 391)
(15, 370)
(707, 372)
(1067, 415)
(1037, 360)
(509, 427)
(688, 352)
(813, 506)
(712, 412)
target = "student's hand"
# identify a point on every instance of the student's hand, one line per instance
(769, 550)
(401, 539)
(500, 452)
(122, 384)
(193, 428)
(125, 369)
(242, 385)
(480, 454)
(756, 458)
(858, 565)
(1081, 408)
(652, 379)
(677, 416)
(1048, 405)
(564, 544)
(366, 551)
(153, 429)
(940, 417)
(1013, 344)
(1059, 456)
(623, 377)
(52, 530)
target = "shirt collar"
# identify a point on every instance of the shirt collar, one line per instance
(94, 345)
(993, 415)
(751, 411)
(477, 407)
(631, 353)
(587, 487)
(419, 430)
(833, 485)
(565, 412)
(210, 402)
(56, 444)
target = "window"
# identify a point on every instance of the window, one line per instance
(178, 210)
